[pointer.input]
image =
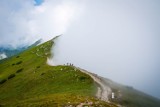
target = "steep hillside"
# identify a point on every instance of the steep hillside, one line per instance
(130, 97)
(122, 95)
(26, 80)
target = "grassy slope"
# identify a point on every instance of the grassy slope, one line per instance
(38, 84)
(131, 97)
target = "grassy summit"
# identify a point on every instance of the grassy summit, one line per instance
(26, 80)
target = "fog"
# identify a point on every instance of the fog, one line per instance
(116, 39)
(22, 22)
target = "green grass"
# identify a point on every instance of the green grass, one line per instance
(37, 84)
(131, 97)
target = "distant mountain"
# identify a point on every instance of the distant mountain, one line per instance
(35, 43)
(6, 52)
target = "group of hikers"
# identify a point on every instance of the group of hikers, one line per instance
(69, 64)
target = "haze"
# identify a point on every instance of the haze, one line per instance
(114, 39)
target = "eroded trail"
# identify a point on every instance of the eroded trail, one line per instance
(104, 91)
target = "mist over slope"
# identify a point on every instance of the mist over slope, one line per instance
(117, 40)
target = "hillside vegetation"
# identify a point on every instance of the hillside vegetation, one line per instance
(130, 97)
(26, 80)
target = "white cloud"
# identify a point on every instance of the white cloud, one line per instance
(23, 23)
(2, 56)
(118, 40)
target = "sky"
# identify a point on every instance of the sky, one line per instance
(116, 39)
(38, 2)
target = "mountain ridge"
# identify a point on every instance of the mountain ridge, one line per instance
(27, 80)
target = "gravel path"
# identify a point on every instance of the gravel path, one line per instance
(103, 90)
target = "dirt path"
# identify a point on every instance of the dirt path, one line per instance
(103, 90)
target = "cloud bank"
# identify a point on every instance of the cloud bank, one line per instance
(23, 22)
(117, 40)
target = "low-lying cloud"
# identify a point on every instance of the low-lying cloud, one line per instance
(117, 40)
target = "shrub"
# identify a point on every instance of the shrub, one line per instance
(2, 81)
(82, 78)
(38, 66)
(19, 70)
(42, 74)
(13, 64)
(18, 62)
(11, 76)
(17, 56)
